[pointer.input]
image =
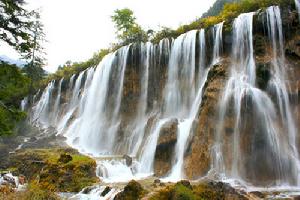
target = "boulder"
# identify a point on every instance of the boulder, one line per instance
(132, 191)
(128, 160)
(106, 191)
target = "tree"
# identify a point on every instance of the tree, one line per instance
(22, 30)
(128, 30)
(34, 69)
(16, 25)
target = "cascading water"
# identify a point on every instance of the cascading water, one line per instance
(177, 98)
(135, 140)
(259, 157)
(277, 84)
(24, 104)
(185, 125)
(41, 110)
(84, 132)
(94, 103)
(74, 93)
(55, 111)
(255, 138)
(218, 40)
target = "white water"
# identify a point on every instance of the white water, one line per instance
(278, 82)
(275, 156)
(95, 194)
(94, 121)
(185, 125)
(55, 111)
(24, 104)
(135, 140)
(218, 40)
(147, 158)
(42, 108)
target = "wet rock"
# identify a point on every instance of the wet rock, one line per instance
(263, 75)
(259, 45)
(32, 139)
(258, 194)
(296, 198)
(128, 160)
(198, 157)
(87, 190)
(132, 191)
(156, 181)
(293, 48)
(106, 191)
(165, 148)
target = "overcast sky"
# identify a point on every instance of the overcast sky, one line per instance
(75, 29)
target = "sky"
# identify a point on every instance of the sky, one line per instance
(75, 29)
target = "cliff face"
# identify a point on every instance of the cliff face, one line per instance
(143, 101)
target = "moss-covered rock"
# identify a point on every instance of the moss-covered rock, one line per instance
(132, 191)
(63, 170)
(183, 190)
(33, 192)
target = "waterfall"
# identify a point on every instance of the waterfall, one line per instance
(76, 91)
(147, 158)
(136, 138)
(123, 107)
(218, 40)
(232, 159)
(185, 125)
(95, 128)
(180, 92)
(73, 104)
(277, 84)
(24, 104)
(41, 111)
(55, 112)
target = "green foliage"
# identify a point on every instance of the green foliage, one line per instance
(13, 87)
(13, 84)
(69, 68)
(165, 32)
(217, 8)
(128, 30)
(17, 26)
(228, 12)
(124, 20)
(8, 119)
(35, 192)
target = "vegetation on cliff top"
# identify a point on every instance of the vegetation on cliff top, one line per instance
(228, 13)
